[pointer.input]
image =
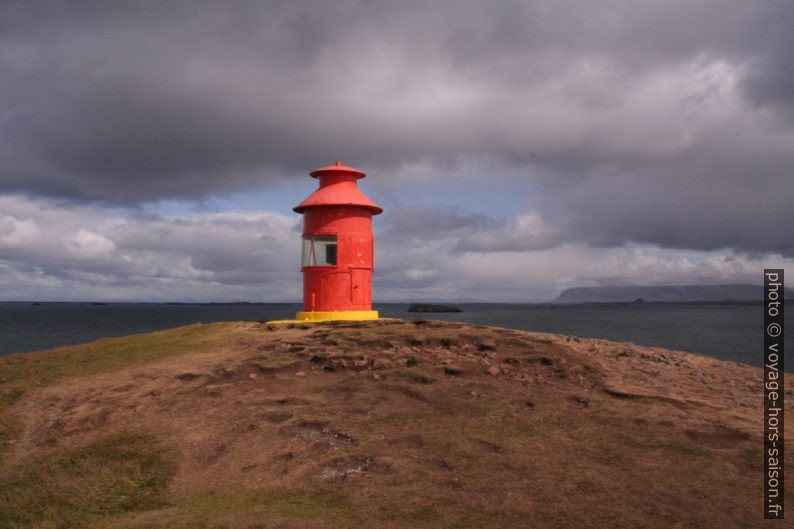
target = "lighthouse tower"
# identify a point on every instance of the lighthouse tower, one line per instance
(337, 258)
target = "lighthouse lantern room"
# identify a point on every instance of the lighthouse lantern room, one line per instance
(337, 256)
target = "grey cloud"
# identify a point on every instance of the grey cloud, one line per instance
(651, 122)
(770, 72)
(734, 192)
(466, 232)
(204, 257)
(528, 232)
(56, 251)
(408, 223)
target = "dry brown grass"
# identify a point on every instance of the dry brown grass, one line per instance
(394, 424)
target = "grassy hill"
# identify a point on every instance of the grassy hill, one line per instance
(376, 424)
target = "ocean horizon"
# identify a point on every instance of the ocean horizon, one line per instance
(728, 331)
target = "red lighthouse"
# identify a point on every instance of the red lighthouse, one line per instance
(338, 255)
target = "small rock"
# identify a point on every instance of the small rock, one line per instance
(581, 400)
(381, 363)
(361, 363)
(252, 376)
(703, 378)
(376, 376)
(300, 374)
(452, 370)
(494, 370)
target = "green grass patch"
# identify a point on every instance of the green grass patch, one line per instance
(272, 509)
(9, 432)
(10, 396)
(9, 428)
(73, 489)
(23, 373)
(308, 505)
(108, 354)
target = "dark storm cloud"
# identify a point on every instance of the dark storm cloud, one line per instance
(466, 232)
(653, 122)
(403, 224)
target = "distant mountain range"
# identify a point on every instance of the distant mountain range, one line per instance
(669, 294)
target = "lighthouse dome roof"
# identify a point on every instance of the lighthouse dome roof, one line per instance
(338, 188)
(338, 168)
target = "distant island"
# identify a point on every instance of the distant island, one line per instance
(669, 294)
(429, 307)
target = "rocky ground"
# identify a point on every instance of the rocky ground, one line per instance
(377, 424)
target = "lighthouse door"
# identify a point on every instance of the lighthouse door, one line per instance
(335, 290)
(359, 293)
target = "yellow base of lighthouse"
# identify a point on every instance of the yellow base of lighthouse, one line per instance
(354, 315)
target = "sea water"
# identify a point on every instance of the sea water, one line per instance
(725, 331)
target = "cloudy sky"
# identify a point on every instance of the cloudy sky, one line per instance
(154, 150)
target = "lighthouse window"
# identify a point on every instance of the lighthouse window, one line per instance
(319, 250)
